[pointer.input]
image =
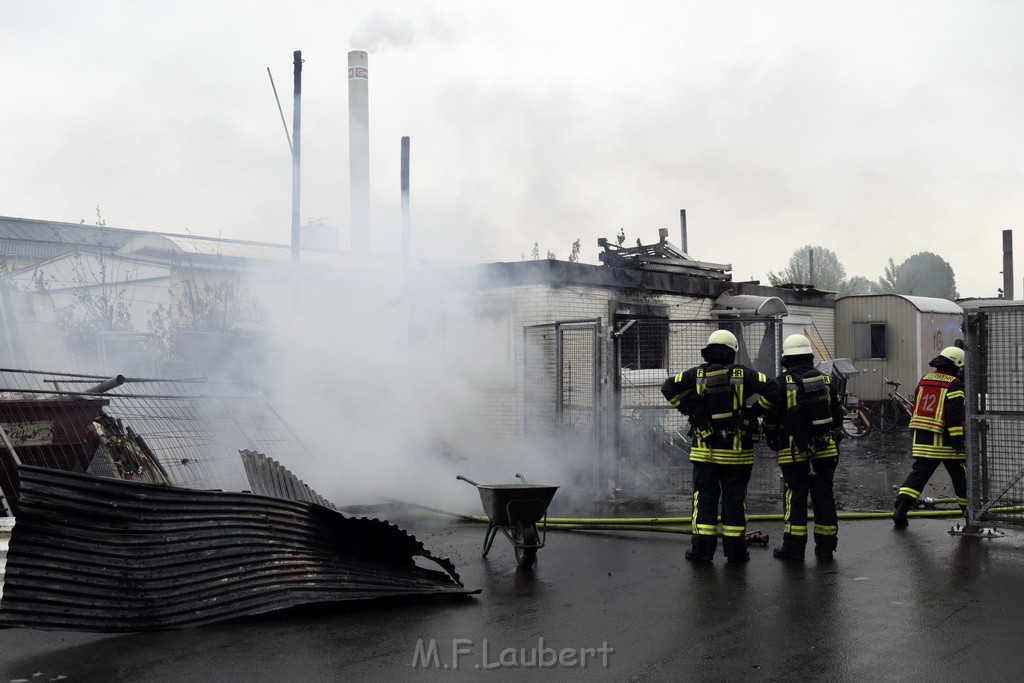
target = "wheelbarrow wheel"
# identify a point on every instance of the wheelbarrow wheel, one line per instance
(525, 535)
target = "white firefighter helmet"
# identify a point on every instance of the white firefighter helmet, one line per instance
(953, 354)
(725, 338)
(796, 345)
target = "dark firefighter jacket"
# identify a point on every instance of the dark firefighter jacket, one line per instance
(685, 391)
(782, 422)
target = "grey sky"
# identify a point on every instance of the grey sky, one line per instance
(878, 129)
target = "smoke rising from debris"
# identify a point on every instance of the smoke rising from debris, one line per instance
(384, 385)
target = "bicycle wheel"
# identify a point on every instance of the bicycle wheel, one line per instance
(857, 422)
(885, 416)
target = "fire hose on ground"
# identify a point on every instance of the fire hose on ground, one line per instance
(682, 525)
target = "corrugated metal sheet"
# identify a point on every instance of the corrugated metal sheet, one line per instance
(101, 554)
(68, 236)
(268, 477)
(33, 240)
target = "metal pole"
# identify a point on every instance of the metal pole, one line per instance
(106, 385)
(406, 236)
(1008, 264)
(615, 371)
(287, 135)
(296, 153)
(682, 230)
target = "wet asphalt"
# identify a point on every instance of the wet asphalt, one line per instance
(917, 603)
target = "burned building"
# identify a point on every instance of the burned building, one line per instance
(557, 350)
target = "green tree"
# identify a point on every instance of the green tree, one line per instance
(923, 274)
(858, 284)
(828, 273)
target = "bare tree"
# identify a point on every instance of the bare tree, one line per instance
(101, 294)
(574, 255)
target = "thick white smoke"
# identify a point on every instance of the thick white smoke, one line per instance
(380, 29)
(383, 383)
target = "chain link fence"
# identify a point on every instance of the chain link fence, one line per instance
(562, 391)
(598, 392)
(652, 439)
(995, 414)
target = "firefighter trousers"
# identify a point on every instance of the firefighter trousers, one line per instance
(803, 479)
(923, 470)
(726, 483)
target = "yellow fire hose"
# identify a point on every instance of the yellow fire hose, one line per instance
(678, 525)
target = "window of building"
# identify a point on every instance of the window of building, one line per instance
(642, 345)
(869, 341)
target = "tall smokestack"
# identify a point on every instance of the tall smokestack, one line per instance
(1008, 264)
(359, 149)
(296, 152)
(406, 237)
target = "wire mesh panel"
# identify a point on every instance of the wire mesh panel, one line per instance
(562, 382)
(995, 414)
(652, 440)
(186, 433)
(539, 380)
(578, 386)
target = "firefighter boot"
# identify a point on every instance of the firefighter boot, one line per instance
(735, 549)
(792, 548)
(823, 549)
(702, 548)
(903, 504)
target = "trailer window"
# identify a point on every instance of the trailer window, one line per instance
(869, 341)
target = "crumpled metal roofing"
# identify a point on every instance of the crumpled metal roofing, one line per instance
(100, 554)
(268, 477)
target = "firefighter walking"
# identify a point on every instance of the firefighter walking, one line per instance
(805, 428)
(937, 432)
(714, 396)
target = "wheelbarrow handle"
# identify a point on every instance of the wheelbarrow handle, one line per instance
(465, 479)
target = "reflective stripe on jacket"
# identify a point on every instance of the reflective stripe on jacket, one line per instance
(738, 447)
(938, 421)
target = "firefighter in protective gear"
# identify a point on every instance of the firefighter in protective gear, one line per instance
(717, 397)
(937, 428)
(804, 428)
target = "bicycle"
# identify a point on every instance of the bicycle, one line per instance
(856, 419)
(893, 411)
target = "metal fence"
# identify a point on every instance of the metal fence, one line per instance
(598, 390)
(151, 504)
(562, 388)
(651, 443)
(994, 337)
(187, 433)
